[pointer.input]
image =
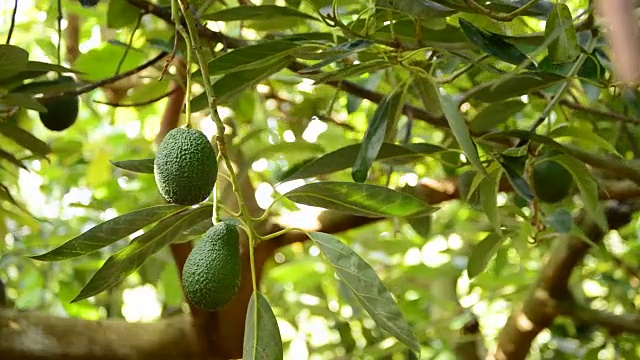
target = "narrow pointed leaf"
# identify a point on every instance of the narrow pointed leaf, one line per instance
(560, 220)
(495, 114)
(360, 199)
(564, 47)
(337, 53)
(483, 253)
(123, 263)
(142, 166)
(249, 57)
(588, 136)
(352, 71)
(109, 232)
(25, 139)
(262, 340)
(518, 85)
(235, 83)
(461, 132)
(587, 185)
(493, 44)
(12, 159)
(489, 198)
(386, 114)
(367, 287)
(345, 157)
(514, 170)
(428, 93)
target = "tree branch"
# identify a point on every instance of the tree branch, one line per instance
(541, 305)
(614, 323)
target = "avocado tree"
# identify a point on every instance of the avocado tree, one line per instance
(339, 179)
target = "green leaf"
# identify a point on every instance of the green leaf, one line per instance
(352, 71)
(345, 157)
(367, 287)
(559, 30)
(590, 137)
(38, 66)
(235, 83)
(493, 44)
(142, 166)
(121, 14)
(360, 199)
(249, 57)
(21, 100)
(24, 139)
(483, 253)
(262, 339)
(428, 93)
(337, 53)
(12, 159)
(560, 220)
(514, 169)
(420, 9)
(488, 189)
(384, 118)
(587, 185)
(518, 85)
(495, 114)
(123, 263)
(109, 232)
(290, 149)
(421, 225)
(13, 60)
(460, 131)
(271, 12)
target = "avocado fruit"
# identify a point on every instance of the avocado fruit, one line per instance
(211, 274)
(552, 182)
(185, 167)
(62, 111)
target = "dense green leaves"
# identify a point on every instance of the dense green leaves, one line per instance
(493, 44)
(109, 232)
(367, 287)
(121, 264)
(261, 335)
(359, 199)
(25, 139)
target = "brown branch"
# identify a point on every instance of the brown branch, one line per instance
(614, 323)
(540, 307)
(142, 103)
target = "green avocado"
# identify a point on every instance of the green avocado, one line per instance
(552, 182)
(62, 112)
(212, 271)
(185, 167)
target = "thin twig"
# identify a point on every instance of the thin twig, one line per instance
(142, 103)
(13, 21)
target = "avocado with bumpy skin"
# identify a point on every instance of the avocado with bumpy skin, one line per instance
(185, 167)
(212, 271)
(552, 182)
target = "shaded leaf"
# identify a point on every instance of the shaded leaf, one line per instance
(38, 66)
(588, 136)
(518, 85)
(262, 339)
(385, 116)
(260, 12)
(428, 93)
(488, 189)
(421, 225)
(24, 139)
(12, 159)
(495, 114)
(460, 131)
(423, 9)
(121, 14)
(367, 287)
(22, 100)
(493, 44)
(482, 254)
(345, 157)
(142, 166)
(123, 263)
(587, 185)
(235, 83)
(108, 232)
(560, 220)
(13, 60)
(564, 47)
(352, 71)
(249, 57)
(360, 199)
(337, 53)
(514, 169)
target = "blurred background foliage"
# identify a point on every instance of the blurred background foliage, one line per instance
(283, 121)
